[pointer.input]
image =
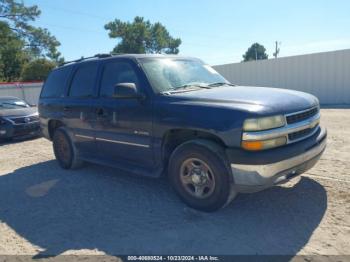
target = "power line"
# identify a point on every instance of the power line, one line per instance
(71, 28)
(74, 12)
(79, 29)
(179, 31)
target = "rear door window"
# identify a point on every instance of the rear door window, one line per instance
(116, 73)
(83, 82)
(55, 84)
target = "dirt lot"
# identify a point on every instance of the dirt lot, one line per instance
(98, 210)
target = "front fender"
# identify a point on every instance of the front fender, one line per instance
(223, 123)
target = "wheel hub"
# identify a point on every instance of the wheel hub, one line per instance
(197, 178)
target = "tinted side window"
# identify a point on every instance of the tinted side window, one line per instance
(56, 82)
(115, 73)
(84, 81)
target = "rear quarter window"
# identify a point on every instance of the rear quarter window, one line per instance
(55, 84)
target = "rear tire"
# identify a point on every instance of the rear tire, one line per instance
(64, 149)
(200, 176)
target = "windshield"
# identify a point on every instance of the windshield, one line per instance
(12, 104)
(176, 74)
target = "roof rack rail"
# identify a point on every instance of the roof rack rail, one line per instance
(86, 58)
(103, 55)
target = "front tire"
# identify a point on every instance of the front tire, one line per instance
(64, 149)
(199, 175)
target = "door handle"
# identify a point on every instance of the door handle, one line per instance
(101, 112)
(66, 108)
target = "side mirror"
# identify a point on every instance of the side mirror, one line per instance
(126, 90)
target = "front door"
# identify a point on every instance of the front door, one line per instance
(123, 126)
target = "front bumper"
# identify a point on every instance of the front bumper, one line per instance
(255, 177)
(10, 130)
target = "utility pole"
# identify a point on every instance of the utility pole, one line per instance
(277, 49)
(256, 54)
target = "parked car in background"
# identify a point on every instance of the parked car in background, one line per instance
(17, 118)
(152, 113)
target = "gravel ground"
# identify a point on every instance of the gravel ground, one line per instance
(97, 210)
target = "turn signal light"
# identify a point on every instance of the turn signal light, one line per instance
(264, 144)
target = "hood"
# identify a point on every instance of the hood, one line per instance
(252, 98)
(18, 112)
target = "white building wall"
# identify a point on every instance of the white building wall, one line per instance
(29, 92)
(326, 75)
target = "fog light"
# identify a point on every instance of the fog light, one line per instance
(2, 132)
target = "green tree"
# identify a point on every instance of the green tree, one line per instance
(255, 52)
(37, 70)
(142, 36)
(12, 56)
(37, 41)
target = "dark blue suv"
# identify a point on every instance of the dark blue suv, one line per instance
(155, 114)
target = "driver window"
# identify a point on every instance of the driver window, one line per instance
(115, 73)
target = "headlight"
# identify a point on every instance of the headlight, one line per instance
(263, 123)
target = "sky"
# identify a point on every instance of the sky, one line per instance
(217, 31)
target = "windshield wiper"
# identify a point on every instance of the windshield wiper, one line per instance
(190, 85)
(185, 88)
(220, 84)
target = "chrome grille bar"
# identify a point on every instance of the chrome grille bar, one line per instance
(301, 115)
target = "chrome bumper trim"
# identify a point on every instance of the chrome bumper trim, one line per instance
(258, 175)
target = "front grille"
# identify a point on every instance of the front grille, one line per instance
(26, 129)
(300, 134)
(298, 117)
(24, 120)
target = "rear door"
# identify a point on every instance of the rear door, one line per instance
(52, 97)
(79, 106)
(124, 126)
